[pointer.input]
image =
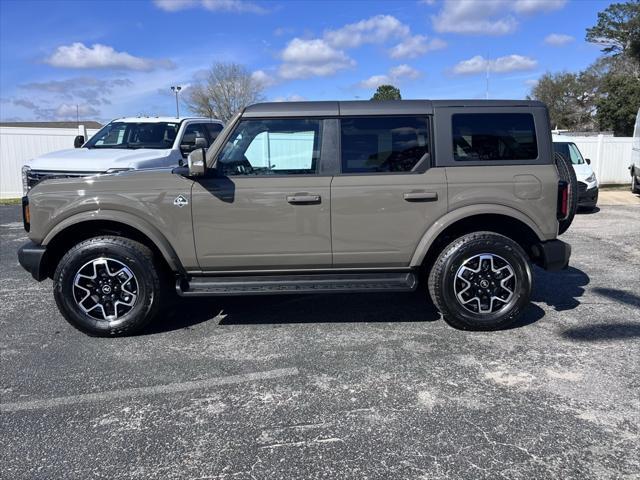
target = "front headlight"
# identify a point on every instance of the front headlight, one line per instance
(25, 179)
(591, 178)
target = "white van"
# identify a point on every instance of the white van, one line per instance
(125, 144)
(587, 181)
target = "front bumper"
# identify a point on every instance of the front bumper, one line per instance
(587, 197)
(31, 258)
(552, 255)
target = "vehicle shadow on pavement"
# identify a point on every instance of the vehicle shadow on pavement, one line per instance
(560, 290)
(603, 332)
(291, 309)
(608, 331)
(311, 309)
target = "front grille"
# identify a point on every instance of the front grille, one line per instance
(36, 176)
(582, 187)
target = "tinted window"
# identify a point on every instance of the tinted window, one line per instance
(494, 136)
(214, 129)
(383, 144)
(570, 151)
(272, 147)
(135, 135)
(191, 133)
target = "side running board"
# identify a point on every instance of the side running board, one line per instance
(283, 284)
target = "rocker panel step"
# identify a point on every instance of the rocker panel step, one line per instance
(284, 284)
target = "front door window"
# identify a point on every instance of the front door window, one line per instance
(272, 147)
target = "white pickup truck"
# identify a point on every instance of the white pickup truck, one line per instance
(125, 144)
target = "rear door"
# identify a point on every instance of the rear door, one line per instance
(268, 207)
(387, 194)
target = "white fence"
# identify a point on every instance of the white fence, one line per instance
(610, 156)
(18, 145)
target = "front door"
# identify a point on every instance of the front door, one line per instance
(266, 207)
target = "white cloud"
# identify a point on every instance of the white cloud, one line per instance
(263, 78)
(69, 111)
(78, 55)
(558, 39)
(79, 89)
(290, 98)
(394, 76)
(41, 110)
(404, 71)
(376, 29)
(307, 58)
(234, 6)
(488, 17)
(535, 6)
(508, 63)
(416, 46)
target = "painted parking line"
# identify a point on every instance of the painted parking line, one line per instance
(144, 391)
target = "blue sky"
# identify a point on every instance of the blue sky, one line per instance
(117, 58)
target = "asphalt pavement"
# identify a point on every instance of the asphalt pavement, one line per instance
(366, 386)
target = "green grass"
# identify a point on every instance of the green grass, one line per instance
(10, 201)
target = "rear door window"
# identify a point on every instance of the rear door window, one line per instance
(494, 136)
(383, 144)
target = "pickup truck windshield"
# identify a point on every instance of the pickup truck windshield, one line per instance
(135, 135)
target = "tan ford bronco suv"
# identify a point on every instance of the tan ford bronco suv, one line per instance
(317, 197)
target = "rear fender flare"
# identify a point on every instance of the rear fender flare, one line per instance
(460, 214)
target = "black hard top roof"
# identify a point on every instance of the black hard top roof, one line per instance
(369, 107)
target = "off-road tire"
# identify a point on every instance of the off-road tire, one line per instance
(442, 278)
(635, 186)
(138, 258)
(567, 174)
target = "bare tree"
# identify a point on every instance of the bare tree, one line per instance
(227, 89)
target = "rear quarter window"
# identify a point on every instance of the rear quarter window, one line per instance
(493, 136)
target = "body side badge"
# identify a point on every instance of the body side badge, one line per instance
(180, 201)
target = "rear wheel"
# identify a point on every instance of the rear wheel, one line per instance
(108, 286)
(481, 281)
(635, 187)
(567, 174)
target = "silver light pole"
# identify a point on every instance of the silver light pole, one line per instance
(176, 89)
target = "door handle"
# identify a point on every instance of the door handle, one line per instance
(421, 196)
(303, 199)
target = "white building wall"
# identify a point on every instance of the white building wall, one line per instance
(18, 145)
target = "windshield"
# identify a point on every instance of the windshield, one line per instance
(135, 135)
(570, 151)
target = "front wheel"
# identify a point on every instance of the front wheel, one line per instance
(635, 187)
(481, 281)
(107, 286)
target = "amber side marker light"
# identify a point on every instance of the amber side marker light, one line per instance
(26, 214)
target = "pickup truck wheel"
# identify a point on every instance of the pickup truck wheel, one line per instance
(107, 286)
(568, 174)
(481, 281)
(635, 188)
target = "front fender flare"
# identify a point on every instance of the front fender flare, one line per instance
(460, 214)
(132, 221)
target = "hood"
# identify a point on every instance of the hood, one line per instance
(583, 171)
(95, 159)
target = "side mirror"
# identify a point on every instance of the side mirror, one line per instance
(588, 161)
(78, 141)
(197, 162)
(201, 142)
